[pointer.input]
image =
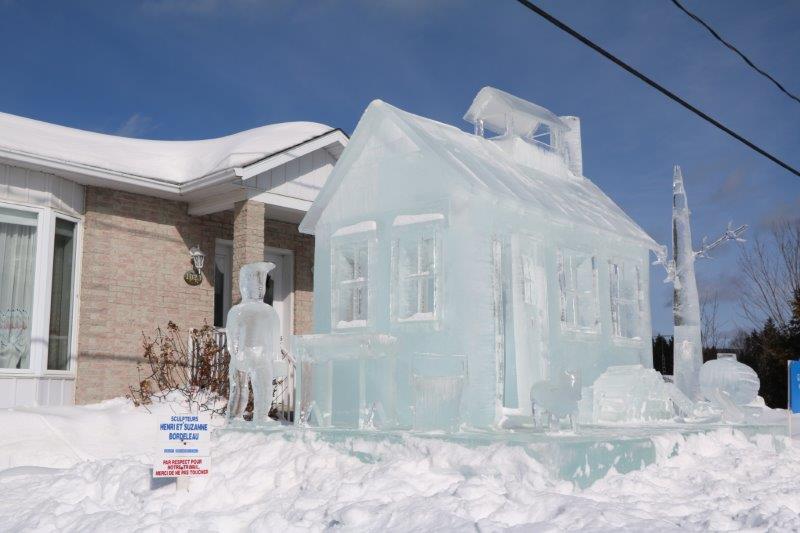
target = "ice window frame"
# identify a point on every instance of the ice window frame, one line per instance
(575, 292)
(416, 263)
(352, 251)
(625, 298)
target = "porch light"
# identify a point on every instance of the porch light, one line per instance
(194, 276)
(198, 258)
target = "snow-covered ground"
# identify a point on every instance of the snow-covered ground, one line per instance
(88, 469)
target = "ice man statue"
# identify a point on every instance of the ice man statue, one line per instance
(254, 344)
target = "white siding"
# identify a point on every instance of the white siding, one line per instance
(31, 187)
(29, 391)
(300, 178)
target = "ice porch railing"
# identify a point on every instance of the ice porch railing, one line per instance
(283, 386)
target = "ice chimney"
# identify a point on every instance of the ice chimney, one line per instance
(530, 134)
(572, 145)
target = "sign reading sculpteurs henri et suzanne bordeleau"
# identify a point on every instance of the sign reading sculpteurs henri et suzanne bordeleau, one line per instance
(184, 448)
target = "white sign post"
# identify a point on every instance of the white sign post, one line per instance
(184, 447)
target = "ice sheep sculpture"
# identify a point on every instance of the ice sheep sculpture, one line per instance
(254, 344)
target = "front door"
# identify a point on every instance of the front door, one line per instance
(223, 268)
(279, 291)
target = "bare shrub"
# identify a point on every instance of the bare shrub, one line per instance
(195, 367)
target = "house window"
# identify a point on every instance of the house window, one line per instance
(577, 276)
(61, 291)
(626, 293)
(17, 273)
(351, 283)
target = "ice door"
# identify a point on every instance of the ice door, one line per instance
(530, 317)
(507, 394)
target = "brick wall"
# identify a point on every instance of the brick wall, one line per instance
(135, 251)
(248, 239)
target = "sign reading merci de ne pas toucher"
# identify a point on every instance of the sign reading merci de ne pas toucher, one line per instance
(184, 446)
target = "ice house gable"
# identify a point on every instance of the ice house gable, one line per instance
(454, 270)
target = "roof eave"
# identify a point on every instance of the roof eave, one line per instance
(84, 174)
(98, 176)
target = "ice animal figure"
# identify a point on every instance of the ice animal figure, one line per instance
(254, 344)
(553, 401)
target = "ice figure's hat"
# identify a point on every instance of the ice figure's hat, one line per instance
(253, 280)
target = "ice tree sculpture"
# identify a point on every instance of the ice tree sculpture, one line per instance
(254, 344)
(688, 356)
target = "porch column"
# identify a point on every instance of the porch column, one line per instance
(248, 239)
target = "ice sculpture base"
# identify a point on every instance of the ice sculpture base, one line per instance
(269, 424)
(581, 458)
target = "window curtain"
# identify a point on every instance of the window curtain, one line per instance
(17, 269)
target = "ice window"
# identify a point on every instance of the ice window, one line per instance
(527, 279)
(626, 291)
(351, 283)
(577, 276)
(542, 135)
(416, 261)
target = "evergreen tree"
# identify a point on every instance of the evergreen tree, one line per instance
(663, 354)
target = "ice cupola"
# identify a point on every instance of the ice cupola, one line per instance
(531, 134)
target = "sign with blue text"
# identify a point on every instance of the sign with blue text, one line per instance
(184, 446)
(794, 386)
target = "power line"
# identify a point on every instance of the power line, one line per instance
(735, 50)
(547, 16)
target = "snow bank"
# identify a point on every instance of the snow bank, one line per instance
(87, 468)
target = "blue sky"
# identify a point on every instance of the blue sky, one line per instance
(183, 69)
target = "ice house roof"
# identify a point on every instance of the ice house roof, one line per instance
(176, 162)
(484, 164)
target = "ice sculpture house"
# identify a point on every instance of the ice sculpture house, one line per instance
(454, 270)
(95, 238)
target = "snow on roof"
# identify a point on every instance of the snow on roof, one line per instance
(500, 110)
(571, 201)
(171, 161)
